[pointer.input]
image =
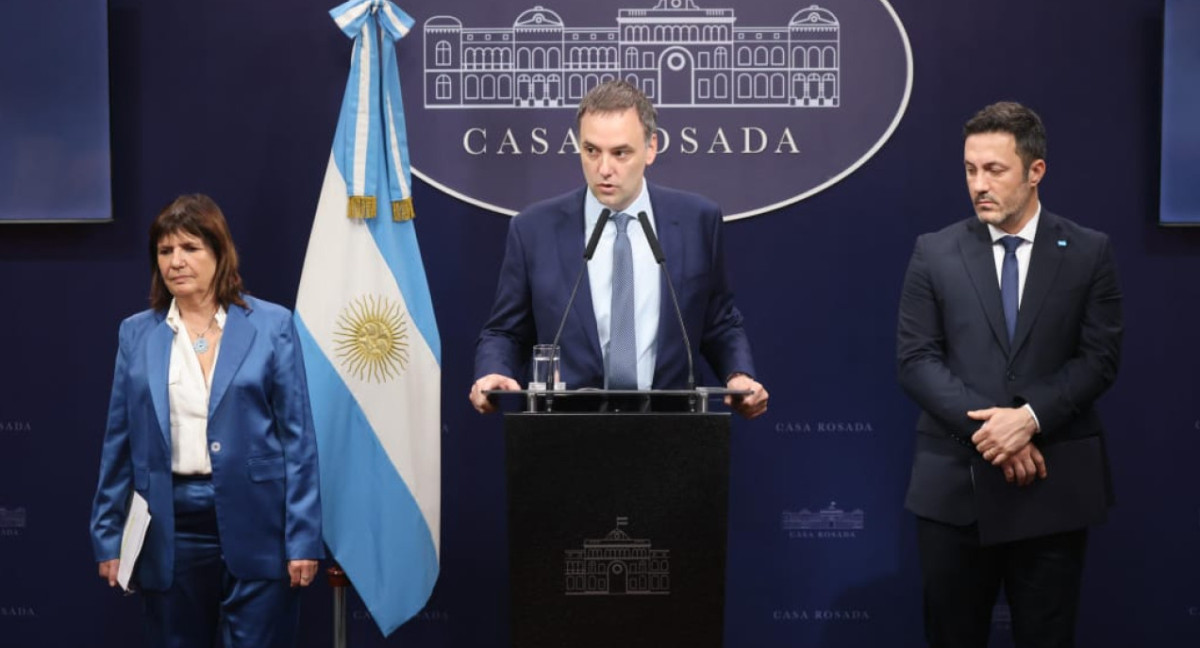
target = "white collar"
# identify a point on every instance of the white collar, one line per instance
(174, 318)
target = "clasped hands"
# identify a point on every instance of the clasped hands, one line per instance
(1004, 440)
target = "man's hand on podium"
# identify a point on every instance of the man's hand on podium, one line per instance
(479, 400)
(748, 406)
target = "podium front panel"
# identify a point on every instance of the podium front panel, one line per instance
(617, 529)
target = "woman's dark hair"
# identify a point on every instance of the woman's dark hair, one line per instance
(199, 216)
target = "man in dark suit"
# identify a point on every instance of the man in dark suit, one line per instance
(621, 331)
(1009, 330)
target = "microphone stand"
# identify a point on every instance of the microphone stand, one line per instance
(660, 258)
(588, 252)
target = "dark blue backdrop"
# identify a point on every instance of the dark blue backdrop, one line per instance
(239, 100)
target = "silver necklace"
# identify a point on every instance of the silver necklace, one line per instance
(201, 344)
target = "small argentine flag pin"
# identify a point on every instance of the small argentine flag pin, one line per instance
(1062, 243)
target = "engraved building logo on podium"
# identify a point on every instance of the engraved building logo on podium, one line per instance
(617, 564)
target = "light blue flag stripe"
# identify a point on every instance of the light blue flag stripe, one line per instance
(396, 24)
(355, 497)
(398, 244)
(358, 140)
(397, 241)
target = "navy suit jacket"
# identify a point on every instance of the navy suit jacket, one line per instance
(542, 258)
(954, 355)
(261, 442)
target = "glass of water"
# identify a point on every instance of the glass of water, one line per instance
(545, 369)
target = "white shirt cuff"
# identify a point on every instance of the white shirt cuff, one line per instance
(1036, 422)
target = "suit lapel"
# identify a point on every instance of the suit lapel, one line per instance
(158, 364)
(235, 343)
(570, 238)
(980, 261)
(1044, 263)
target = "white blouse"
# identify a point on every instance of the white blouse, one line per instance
(188, 390)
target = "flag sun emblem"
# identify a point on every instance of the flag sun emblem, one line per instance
(372, 339)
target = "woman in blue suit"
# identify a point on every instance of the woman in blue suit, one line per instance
(210, 422)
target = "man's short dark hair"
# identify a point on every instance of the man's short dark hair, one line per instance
(1011, 117)
(618, 96)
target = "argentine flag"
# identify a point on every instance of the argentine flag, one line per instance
(370, 340)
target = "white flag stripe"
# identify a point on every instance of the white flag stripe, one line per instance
(346, 244)
(362, 118)
(395, 20)
(351, 15)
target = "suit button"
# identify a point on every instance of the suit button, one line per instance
(215, 447)
(1012, 376)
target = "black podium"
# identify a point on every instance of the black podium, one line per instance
(617, 526)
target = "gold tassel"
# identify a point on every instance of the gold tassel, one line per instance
(361, 207)
(402, 210)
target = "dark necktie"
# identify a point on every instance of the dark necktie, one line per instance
(1010, 283)
(622, 344)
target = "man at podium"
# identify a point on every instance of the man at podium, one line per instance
(621, 330)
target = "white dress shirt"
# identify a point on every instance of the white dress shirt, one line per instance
(188, 390)
(646, 283)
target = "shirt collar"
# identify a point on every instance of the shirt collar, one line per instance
(174, 318)
(592, 207)
(1027, 233)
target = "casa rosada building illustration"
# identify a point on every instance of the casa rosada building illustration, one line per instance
(677, 53)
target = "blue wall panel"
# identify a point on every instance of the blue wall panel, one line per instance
(239, 100)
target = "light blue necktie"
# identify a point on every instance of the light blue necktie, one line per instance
(1010, 283)
(622, 342)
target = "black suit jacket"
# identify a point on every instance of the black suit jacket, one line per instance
(953, 352)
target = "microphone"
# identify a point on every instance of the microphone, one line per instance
(588, 252)
(659, 258)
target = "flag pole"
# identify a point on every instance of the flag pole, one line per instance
(339, 582)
